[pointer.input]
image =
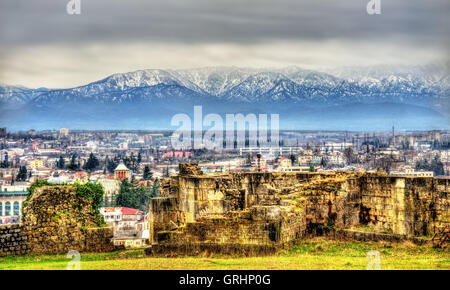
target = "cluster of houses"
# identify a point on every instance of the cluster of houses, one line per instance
(131, 227)
(40, 152)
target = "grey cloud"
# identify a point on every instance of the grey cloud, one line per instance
(29, 22)
(40, 45)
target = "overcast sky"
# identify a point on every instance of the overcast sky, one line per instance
(42, 46)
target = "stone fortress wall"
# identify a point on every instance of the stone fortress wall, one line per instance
(247, 212)
(275, 208)
(56, 220)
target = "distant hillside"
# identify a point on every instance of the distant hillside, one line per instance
(305, 99)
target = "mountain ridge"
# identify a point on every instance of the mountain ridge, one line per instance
(225, 89)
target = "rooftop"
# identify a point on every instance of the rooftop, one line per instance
(13, 193)
(123, 210)
(121, 166)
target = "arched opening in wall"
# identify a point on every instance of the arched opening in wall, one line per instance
(7, 208)
(16, 208)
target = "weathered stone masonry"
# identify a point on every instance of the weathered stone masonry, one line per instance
(252, 213)
(57, 220)
(406, 206)
(13, 240)
(274, 208)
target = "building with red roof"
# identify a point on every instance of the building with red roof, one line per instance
(121, 216)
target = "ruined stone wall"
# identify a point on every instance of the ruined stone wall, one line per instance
(427, 204)
(275, 208)
(406, 206)
(255, 226)
(268, 208)
(56, 220)
(13, 240)
(99, 240)
(220, 231)
(184, 199)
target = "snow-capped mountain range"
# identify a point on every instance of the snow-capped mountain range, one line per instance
(287, 91)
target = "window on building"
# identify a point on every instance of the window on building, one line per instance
(7, 208)
(16, 208)
(1, 208)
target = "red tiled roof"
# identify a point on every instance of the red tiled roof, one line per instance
(81, 174)
(111, 209)
(124, 210)
(129, 211)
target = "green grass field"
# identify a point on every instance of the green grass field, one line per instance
(307, 254)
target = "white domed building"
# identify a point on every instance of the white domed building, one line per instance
(122, 172)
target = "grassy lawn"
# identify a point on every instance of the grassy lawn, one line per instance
(308, 254)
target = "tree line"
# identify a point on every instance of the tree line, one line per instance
(135, 196)
(435, 165)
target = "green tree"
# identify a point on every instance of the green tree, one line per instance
(112, 164)
(148, 174)
(350, 155)
(155, 188)
(92, 162)
(323, 161)
(4, 164)
(95, 193)
(73, 165)
(293, 159)
(61, 163)
(22, 175)
(133, 196)
(437, 166)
